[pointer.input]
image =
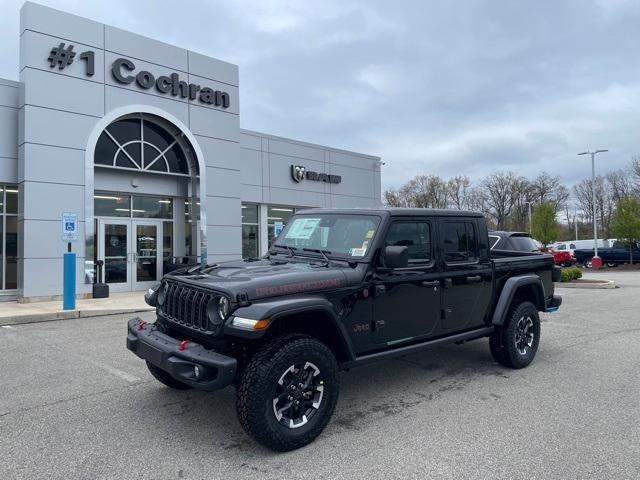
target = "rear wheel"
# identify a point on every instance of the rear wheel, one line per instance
(287, 392)
(587, 263)
(166, 379)
(515, 343)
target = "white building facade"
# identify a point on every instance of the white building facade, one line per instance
(141, 140)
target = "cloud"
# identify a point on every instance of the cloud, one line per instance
(433, 87)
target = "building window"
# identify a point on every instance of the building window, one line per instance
(8, 237)
(250, 229)
(117, 205)
(137, 143)
(277, 215)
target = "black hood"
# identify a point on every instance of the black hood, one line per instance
(272, 277)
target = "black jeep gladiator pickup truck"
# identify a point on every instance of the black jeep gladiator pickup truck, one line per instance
(338, 289)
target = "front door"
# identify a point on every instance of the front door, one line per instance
(407, 300)
(147, 253)
(114, 238)
(132, 253)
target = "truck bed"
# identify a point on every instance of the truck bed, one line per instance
(508, 263)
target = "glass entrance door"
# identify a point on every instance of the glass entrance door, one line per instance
(147, 253)
(114, 250)
(132, 253)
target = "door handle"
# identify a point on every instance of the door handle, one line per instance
(474, 279)
(434, 283)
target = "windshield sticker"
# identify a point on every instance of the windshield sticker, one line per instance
(360, 252)
(302, 228)
(370, 233)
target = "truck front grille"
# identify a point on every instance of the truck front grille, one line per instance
(187, 306)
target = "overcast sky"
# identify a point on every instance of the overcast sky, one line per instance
(433, 87)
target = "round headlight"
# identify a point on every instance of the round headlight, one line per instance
(223, 307)
(162, 293)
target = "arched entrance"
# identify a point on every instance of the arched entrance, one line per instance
(144, 178)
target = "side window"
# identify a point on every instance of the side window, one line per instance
(416, 236)
(460, 242)
(572, 246)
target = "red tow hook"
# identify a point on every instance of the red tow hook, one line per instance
(183, 345)
(141, 324)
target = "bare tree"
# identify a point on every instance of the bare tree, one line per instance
(522, 194)
(604, 206)
(499, 192)
(620, 184)
(423, 191)
(459, 192)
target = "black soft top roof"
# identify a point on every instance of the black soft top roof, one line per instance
(394, 212)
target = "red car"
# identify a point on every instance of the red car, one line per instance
(562, 258)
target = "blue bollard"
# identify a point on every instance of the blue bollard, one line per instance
(69, 281)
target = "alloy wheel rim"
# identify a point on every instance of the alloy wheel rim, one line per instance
(298, 395)
(524, 335)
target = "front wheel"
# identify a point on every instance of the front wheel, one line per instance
(515, 343)
(287, 392)
(587, 263)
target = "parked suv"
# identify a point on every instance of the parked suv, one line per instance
(339, 289)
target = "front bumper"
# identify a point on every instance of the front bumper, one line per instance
(553, 304)
(147, 342)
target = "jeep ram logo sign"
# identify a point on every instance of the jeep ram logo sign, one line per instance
(300, 172)
(123, 71)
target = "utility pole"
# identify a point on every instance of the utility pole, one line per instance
(529, 205)
(593, 202)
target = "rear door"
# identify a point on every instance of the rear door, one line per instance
(407, 300)
(467, 275)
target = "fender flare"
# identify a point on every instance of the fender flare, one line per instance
(508, 292)
(276, 309)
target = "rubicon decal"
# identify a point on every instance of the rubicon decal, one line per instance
(298, 287)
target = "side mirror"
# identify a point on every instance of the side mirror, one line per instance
(396, 256)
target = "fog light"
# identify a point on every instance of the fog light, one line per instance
(196, 372)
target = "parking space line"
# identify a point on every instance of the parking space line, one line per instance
(8, 327)
(114, 371)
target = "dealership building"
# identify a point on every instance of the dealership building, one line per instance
(138, 143)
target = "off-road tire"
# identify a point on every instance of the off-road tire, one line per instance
(166, 379)
(503, 341)
(256, 391)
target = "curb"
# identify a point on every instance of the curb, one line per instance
(67, 315)
(606, 284)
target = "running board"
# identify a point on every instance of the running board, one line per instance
(438, 342)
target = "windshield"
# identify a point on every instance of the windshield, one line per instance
(336, 234)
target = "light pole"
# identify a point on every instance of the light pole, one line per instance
(529, 205)
(593, 202)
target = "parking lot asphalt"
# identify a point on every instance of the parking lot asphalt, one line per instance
(75, 404)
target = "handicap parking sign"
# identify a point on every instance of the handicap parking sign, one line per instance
(69, 227)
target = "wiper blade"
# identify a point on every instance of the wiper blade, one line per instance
(320, 251)
(287, 247)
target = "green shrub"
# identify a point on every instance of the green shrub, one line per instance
(568, 274)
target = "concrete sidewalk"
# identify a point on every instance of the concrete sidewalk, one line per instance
(13, 313)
